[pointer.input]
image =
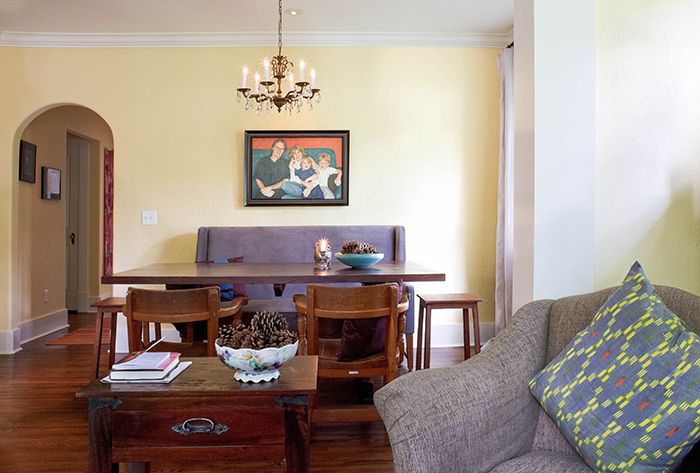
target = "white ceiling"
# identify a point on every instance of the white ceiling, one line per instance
(322, 21)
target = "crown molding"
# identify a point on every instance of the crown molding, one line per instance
(251, 38)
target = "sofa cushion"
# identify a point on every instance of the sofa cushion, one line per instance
(625, 390)
(361, 338)
(550, 462)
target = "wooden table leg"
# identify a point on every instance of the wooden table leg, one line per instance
(409, 350)
(465, 323)
(301, 327)
(98, 343)
(296, 433)
(112, 338)
(100, 436)
(400, 343)
(428, 323)
(419, 341)
(477, 337)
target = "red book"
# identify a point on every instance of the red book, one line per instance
(148, 365)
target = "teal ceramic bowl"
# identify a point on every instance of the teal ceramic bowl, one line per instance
(359, 261)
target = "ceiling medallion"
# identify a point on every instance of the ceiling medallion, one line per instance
(264, 95)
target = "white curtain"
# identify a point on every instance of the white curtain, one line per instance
(504, 232)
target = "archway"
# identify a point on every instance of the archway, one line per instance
(40, 224)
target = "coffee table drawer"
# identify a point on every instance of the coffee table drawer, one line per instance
(197, 427)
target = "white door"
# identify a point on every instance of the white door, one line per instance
(72, 224)
(77, 163)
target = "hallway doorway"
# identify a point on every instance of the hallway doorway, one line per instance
(77, 164)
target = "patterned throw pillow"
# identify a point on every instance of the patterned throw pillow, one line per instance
(625, 391)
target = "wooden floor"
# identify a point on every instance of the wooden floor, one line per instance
(43, 428)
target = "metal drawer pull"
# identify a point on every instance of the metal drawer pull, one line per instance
(209, 428)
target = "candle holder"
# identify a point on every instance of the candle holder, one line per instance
(322, 255)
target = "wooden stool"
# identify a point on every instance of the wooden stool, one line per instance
(112, 305)
(447, 301)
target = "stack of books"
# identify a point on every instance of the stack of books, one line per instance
(145, 366)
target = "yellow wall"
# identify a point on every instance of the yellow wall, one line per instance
(648, 150)
(423, 146)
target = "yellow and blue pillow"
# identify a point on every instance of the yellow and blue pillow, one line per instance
(626, 391)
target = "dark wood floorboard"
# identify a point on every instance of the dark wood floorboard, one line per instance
(43, 428)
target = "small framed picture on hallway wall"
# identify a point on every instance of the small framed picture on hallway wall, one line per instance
(50, 183)
(27, 162)
(296, 167)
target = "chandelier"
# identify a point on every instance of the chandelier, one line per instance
(264, 95)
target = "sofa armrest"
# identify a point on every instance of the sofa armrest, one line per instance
(473, 416)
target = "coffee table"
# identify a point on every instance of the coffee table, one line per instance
(202, 415)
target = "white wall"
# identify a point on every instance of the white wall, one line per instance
(648, 150)
(554, 149)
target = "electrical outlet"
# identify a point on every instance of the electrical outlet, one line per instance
(46, 295)
(149, 217)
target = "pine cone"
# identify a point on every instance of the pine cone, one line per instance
(256, 341)
(357, 247)
(282, 338)
(267, 329)
(266, 323)
(226, 335)
(239, 335)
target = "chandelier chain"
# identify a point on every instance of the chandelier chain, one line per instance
(279, 30)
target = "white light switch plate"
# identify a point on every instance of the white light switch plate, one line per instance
(149, 217)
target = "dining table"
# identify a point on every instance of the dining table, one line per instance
(278, 274)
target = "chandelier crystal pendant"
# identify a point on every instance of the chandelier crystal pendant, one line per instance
(264, 95)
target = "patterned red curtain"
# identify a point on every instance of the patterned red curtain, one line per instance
(109, 211)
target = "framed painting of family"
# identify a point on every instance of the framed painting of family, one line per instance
(296, 167)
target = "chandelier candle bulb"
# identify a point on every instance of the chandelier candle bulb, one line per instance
(266, 63)
(301, 70)
(245, 77)
(313, 78)
(257, 83)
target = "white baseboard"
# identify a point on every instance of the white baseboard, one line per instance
(452, 335)
(83, 301)
(92, 300)
(11, 341)
(44, 325)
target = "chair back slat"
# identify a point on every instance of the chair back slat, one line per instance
(357, 314)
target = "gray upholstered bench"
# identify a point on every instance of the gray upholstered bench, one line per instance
(273, 244)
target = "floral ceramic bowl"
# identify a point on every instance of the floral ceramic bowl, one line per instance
(256, 365)
(359, 260)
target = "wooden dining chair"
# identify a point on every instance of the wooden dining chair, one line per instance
(146, 306)
(402, 308)
(354, 306)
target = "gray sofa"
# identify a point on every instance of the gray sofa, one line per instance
(295, 244)
(479, 416)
